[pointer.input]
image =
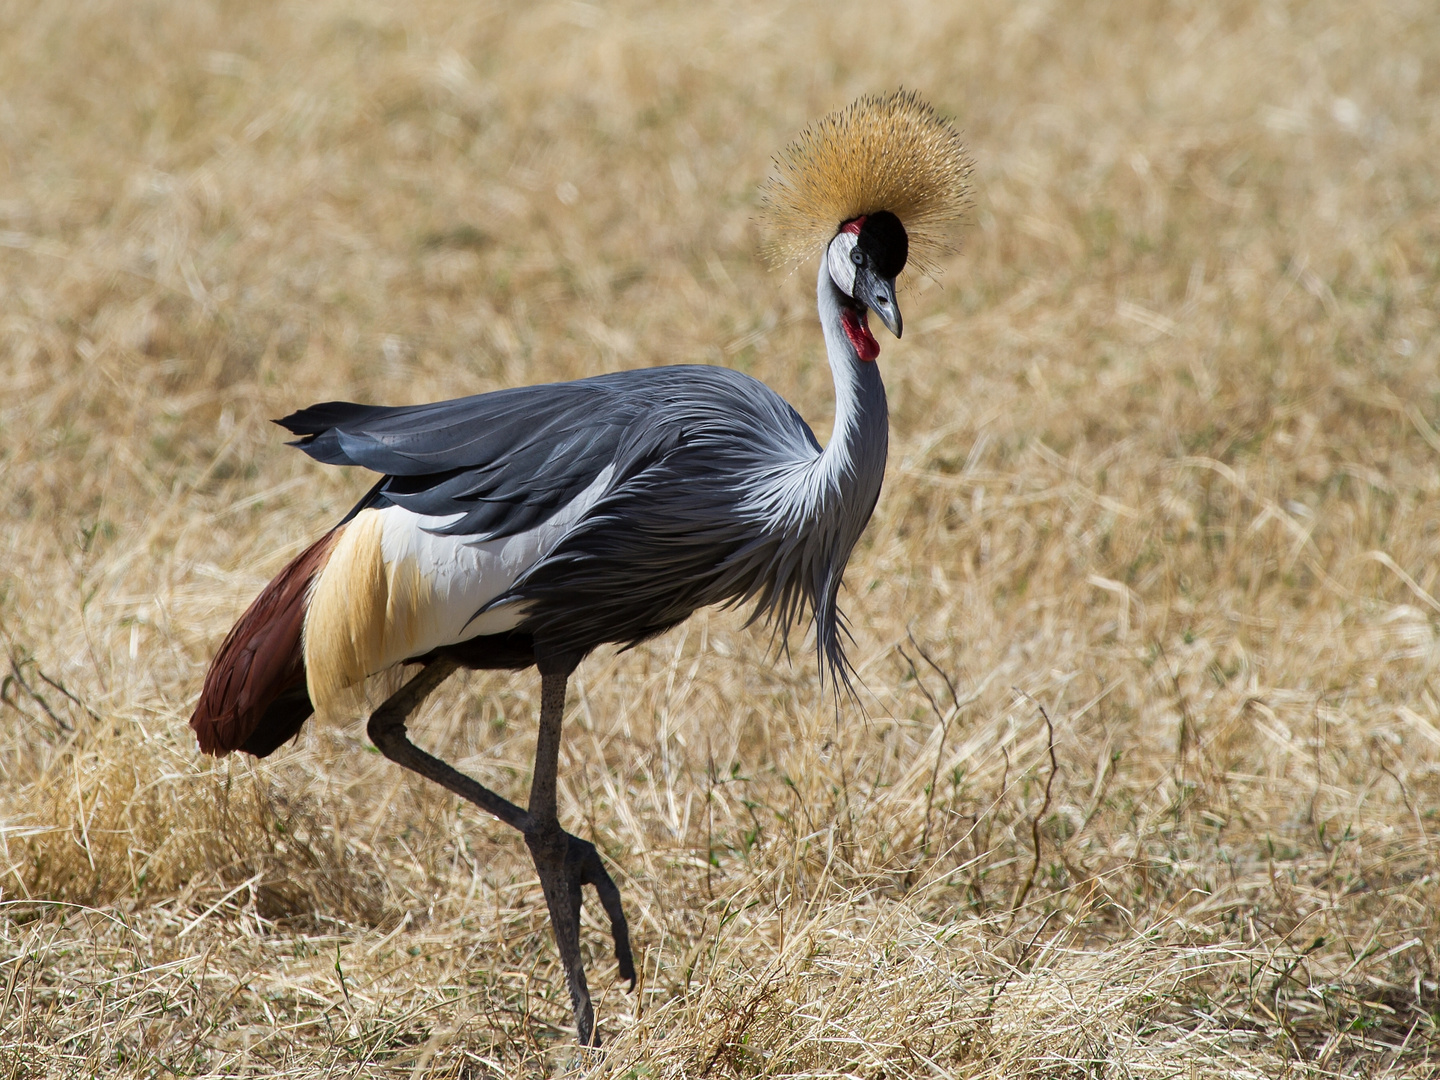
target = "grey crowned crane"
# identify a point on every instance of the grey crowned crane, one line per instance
(530, 525)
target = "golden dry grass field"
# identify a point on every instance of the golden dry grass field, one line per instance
(1164, 469)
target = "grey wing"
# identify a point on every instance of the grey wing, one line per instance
(690, 449)
(500, 463)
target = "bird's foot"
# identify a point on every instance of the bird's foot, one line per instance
(565, 864)
(583, 855)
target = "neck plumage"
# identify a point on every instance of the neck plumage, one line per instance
(812, 509)
(853, 463)
(843, 482)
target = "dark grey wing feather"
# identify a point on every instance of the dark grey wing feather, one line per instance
(503, 462)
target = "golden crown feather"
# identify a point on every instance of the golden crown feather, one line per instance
(878, 153)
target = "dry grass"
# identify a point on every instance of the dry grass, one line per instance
(1164, 466)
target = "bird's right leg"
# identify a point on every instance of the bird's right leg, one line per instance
(565, 863)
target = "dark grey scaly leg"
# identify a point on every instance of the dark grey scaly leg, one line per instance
(563, 862)
(386, 729)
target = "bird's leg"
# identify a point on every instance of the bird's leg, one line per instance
(387, 731)
(563, 862)
(550, 848)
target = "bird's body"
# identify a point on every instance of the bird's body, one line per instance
(574, 515)
(532, 525)
(682, 487)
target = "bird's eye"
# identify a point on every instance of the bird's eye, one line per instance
(857, 257)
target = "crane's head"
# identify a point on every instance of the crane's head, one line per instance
(864, 259)
(878, 183)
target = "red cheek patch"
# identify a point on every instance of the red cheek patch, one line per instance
(857, 329)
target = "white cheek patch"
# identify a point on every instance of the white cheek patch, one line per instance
(842, 267)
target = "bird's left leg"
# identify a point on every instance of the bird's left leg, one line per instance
(565, 863)
(386, 729)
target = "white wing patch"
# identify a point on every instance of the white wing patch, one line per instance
(465, 574)
(393, 590)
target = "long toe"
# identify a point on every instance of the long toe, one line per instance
(592, 872)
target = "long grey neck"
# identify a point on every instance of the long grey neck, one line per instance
(853, 463)
(840, 487)
(812, 510)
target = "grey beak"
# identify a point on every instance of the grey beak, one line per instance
(878, 294)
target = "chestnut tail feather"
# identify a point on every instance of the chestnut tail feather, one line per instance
(254, 697)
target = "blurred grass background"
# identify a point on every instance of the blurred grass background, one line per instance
(1145, 779)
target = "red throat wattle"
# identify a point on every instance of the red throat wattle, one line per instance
(857, 329)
